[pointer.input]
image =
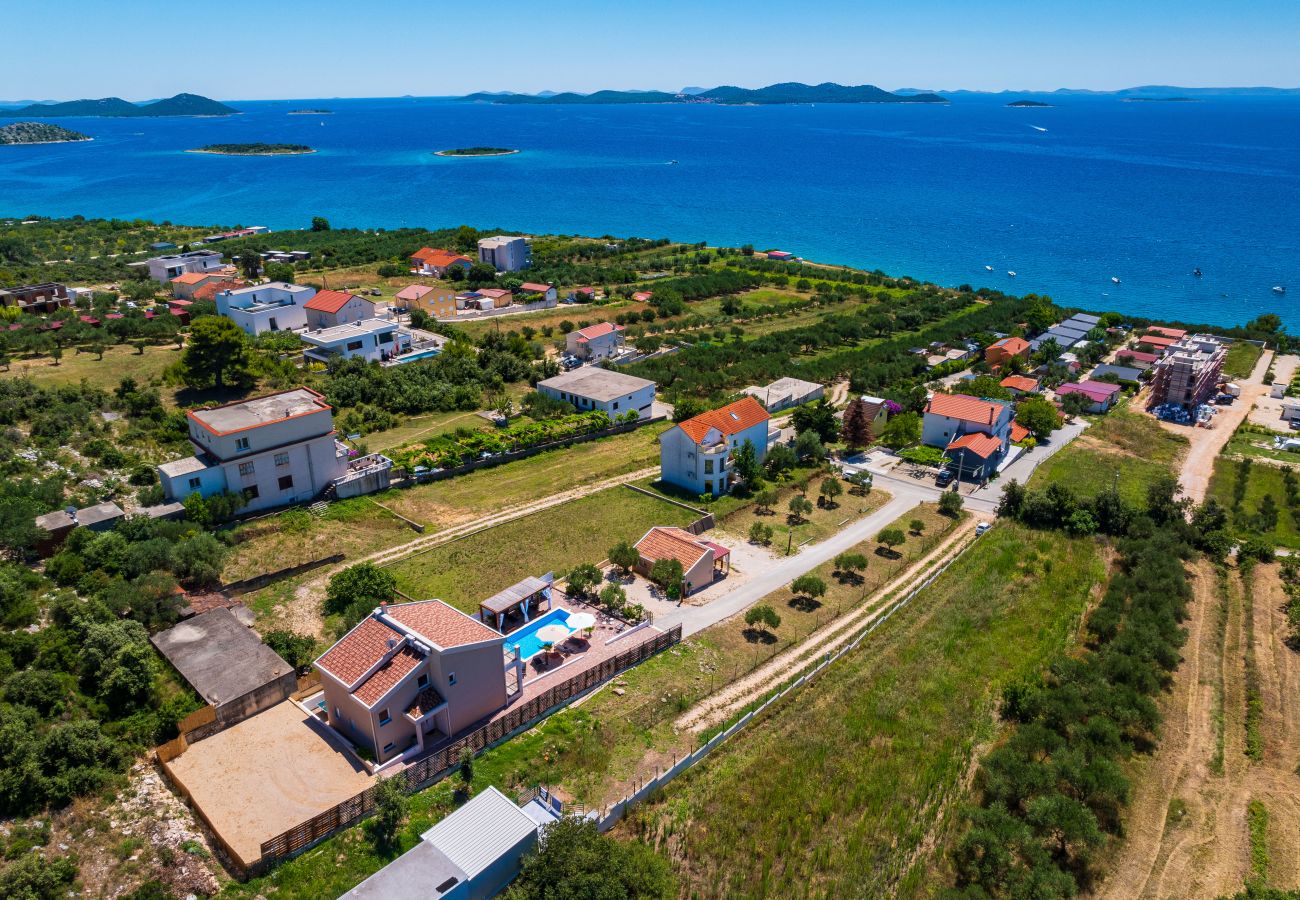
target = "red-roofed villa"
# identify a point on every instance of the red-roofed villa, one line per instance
(697, 454)
(975, 434)
(594, 342)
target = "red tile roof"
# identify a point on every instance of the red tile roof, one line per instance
(386, 677)
(494, 293)
(1097, 391)
(534, 288)
(1020, 383)
(642, 296)
(1155, 340)
(1013, 345)
(965, 408)
(1167, 332)
(212, 288)
(329, 301)
(438, 259)
(358, 650)
(982, 445)
(413, 292)
(730, 419)
(598, 330)
(1018, 432)
(191, 278)
(1139, 355)
(444, 625)
(663, 542)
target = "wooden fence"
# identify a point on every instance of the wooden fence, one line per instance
(435, 766)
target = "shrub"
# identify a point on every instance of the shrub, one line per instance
(582, 579)
(951, 503)
(625, 556)
(764, 616)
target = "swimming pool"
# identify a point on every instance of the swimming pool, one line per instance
(419, 354)
(526, 638)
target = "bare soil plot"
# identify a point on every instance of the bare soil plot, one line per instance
(265, 775)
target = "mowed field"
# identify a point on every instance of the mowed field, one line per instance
(1122, 448)
(119, 361)
(473, 568)
(837, 791)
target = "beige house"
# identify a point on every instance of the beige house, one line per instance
(328, 309)
(411, 675)
(702, 561)
(439, 302)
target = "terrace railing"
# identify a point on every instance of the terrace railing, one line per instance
(434, 767)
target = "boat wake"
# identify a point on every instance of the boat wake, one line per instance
(1036, 128)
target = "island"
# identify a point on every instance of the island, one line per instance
(255, 149)
(116, 107)
(725, 95)
(310, 112)
(1035, 104)
(476, 151)
(39, 133)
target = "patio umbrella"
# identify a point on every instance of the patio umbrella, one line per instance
(553, 633)
(579, 621)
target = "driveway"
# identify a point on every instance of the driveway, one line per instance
(1268, 410)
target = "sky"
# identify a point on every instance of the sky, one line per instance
(288, 49)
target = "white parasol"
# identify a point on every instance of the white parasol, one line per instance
(579, 621)
(553, 633)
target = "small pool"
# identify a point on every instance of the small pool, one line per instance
(419, 354)
(525, 638)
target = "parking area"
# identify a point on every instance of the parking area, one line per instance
(265, 775)
(1268, 410)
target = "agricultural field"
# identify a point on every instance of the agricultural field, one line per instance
(469, 569)
(1262, 498)
(119, 361)
(860, 768)
(1122, 448)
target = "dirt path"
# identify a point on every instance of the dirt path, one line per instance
(1187, 826)
(722, 705)
(303, 615)
(1206, 443)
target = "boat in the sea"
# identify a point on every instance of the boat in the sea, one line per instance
(1279, 289)
(1114, 279)
(988, 268)
(1197, 271)
(1011, 273)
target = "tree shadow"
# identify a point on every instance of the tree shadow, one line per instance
(887, 553)
(194, 396)
(794, 521)
(759, 636)
(853, 578)
(805, 604)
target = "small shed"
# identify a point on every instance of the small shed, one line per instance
(227, 664)
(59, 524)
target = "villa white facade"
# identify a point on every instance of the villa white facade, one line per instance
(277, 306)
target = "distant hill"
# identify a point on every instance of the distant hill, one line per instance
(116, 107)
(38, 133)
(729, 95)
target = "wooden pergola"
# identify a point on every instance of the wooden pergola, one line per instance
(526, 597)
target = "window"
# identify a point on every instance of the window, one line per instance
(282, 459)
(385, 338)
(286, 482)
(388, 748)
(451, 677)
(354, 345)
(194, 484)
(708, 487)
(241, 443)
(246, 469)
(616, 404)
(251, 493)
(422, 682)
(272, 324)
(708, 467)
(384, 717)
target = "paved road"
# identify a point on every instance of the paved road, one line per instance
(1207, 443)
(907, 493)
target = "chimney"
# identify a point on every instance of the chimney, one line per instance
(383, 608)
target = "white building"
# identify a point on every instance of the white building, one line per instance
(165, 268)
(592, 387)
(276, 306)
(785, 393)
(505, 253)
(545, 292)
(696, 454)
(376, 340)
(595, 341)
(275, 450)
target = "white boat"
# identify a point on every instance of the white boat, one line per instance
(988, 268)
(1037, 128)
(1114, 280)
(1279, 289)
(1011, 273)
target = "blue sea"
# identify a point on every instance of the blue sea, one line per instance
(1067, 197)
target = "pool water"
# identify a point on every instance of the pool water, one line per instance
(526, 638)
(419, 354)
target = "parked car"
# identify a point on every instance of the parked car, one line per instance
(944, 478)
(981, 528)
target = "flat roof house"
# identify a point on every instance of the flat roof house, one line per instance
(594, 342)
(165, 268)
(1100, 394)
(413, 674)
(437, 262)
(376, 340)
(785, 393)
(592, 387)
(1190, 371)
(275, 450)
(472, 854)
(702, 561)
(275, 306)
(227, 664)
(505, 253)
(974, 433)
(330, 308)
(36, 298)
(696, 454)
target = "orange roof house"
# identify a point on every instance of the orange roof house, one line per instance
(697, 454)
(1161, 331)
(1000, 352)
(436, 262)
(1020, 384)
(700, 559)
(328, 301)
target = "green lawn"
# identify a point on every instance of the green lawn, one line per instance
(833, 792)
(470, 569)
(1241, 359)
(118, 362)
(1122, 447)
(820, 524)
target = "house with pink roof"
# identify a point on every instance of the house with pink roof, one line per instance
(595, 342)
(1100, 394)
